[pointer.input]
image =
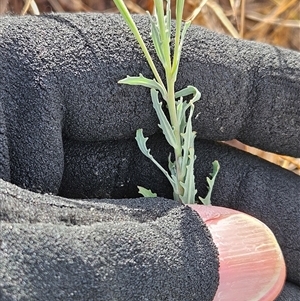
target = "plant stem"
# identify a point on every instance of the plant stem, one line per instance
(179, 12)
(177, 130)
(176, 127)
(126, 15)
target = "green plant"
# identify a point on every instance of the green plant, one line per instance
(178, 128)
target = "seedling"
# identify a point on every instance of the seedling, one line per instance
(177, 129)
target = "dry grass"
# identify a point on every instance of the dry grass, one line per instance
(275, 22)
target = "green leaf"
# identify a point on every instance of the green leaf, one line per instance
(141, 141)
(189, 183)
(178, 48)
(164, 123)
(168, 19)
(131, 24)
(155, 35)
(171, 165)
(147, 193)
(211, 182)
(159, 11)
(142, 81)
(179, 10)
(176, 56)
(175, 186)
(181, 108)
(183, 33)
(188, 142)
(188, 91)
(163, 32)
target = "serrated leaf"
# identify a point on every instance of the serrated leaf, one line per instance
(141, 141)
(171, 165)
(181, 108)
(189, 182)
(211, 182)
(164, 123)
(147, 193)
(175, 188)
(188, 140)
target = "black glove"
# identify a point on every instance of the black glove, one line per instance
(68, 128)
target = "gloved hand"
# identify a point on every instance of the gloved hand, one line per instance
(68, 128)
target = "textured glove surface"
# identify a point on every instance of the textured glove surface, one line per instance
(67, 127)
(59, 78)
(128, 249)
